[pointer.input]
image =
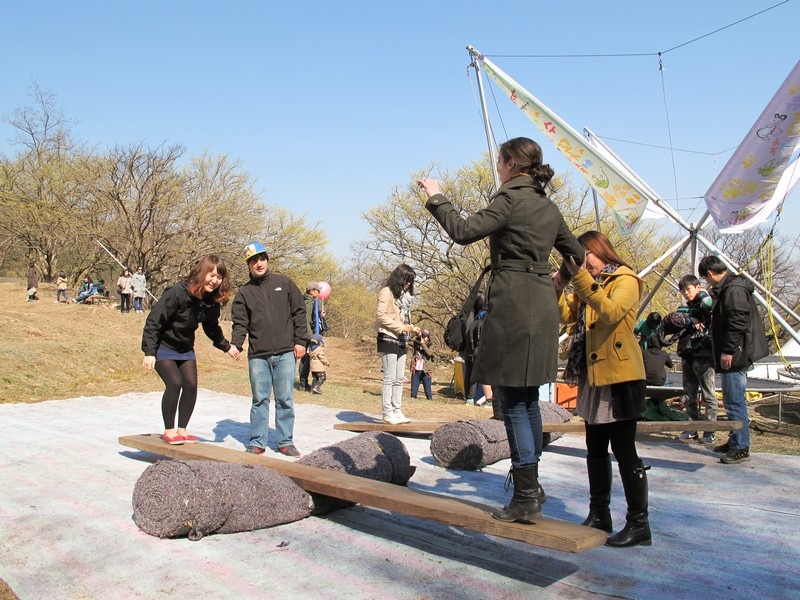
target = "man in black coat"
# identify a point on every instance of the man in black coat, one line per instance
(738, 340)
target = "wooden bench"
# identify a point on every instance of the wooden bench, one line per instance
(428, 427)
(548, 533)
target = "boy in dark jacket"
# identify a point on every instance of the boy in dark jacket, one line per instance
(694, 348)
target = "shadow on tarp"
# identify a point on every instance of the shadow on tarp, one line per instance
(141, 456)
(231, 428)
(474, 549)
(353, 416)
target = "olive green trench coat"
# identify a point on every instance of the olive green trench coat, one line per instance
(519, 340)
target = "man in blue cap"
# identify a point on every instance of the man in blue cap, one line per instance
(269, 309)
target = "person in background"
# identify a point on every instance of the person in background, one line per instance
(656, 362)
(737, 341)
(61, 289)
(318, 362)
(139, 283)
(168, 340)
(646, 329)
(483, 392)
(311, 300)
(393, 324)
(125, 289)
(33, 282)
(88, 288)
(605, 362)
(519, 340)
(421, 366)
(269, 310)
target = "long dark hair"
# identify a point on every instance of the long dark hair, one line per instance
(401, 275)
(197, 277)
(598, 244)
(526, 156)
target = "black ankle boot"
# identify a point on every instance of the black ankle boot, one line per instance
(526, 503)
(637, 527)
(599, 470)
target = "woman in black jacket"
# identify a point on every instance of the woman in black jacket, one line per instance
(168, 340)
(519, 339)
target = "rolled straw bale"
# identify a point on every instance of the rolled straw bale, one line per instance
(470, 445)
(174, 498)
(553, 413)
(374, 455)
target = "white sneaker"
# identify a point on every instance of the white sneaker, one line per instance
(401, 418)
(392, 419)
(480, 402)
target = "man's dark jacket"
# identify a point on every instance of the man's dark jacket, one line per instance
(736, 326)
(271, 312)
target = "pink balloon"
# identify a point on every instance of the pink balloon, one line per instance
(325, 290)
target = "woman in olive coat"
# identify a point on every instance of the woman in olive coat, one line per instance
(519, 339)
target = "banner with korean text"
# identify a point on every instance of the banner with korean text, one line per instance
(755, 181)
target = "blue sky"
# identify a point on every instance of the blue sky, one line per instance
(330, 104)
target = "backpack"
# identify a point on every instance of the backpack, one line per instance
(455, 332)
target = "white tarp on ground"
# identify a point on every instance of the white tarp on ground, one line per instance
(66, 529)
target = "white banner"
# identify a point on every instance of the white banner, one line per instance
(749, 188)
(627, 200)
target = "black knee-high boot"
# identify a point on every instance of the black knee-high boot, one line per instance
(599, 470)
(637, 527)
(528, 496)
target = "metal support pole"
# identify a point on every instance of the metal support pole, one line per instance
(476, 57)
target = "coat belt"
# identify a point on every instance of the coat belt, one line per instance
(522, 266)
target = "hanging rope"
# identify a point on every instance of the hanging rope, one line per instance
(669, 129)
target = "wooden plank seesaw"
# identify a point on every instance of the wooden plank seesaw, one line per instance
(429, 427)
(548, 533)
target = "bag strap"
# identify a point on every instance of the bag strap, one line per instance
(473, 294)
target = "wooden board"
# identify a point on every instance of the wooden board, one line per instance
(548, 533)
(568, 427)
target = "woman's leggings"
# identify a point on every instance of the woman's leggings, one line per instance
(180, 377)
(622, 437)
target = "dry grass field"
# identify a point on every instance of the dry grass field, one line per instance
(53, 351)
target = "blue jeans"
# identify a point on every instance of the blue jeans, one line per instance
(137, 303)
(268, 374)
(523, 420)
(734, 385)
(425, 378)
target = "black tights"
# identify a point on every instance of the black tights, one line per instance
(621, 435)
(180, 377)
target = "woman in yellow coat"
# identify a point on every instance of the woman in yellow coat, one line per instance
(605, 362)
